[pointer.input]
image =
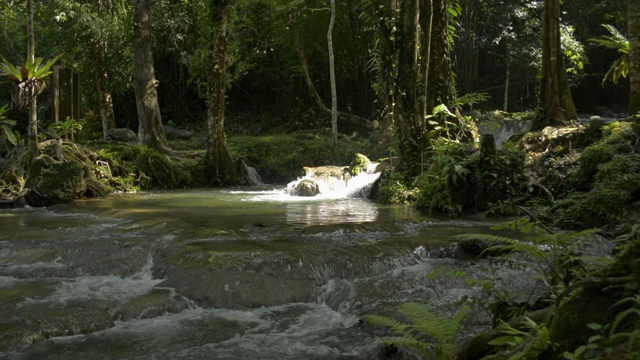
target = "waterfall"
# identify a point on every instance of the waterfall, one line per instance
(502, 130)
(334, 182)
(253, 176)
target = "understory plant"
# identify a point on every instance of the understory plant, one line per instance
(530, 343)
(615, 41)
(65, 129)
(6, 126)
(554, 255)
(443, 186)
(426, 330)
(619, 339)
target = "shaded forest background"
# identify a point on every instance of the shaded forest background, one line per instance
(495, 43)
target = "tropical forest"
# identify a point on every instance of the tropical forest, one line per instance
(320, 179)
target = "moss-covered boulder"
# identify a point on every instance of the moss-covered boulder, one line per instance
(52, 182)
(359, 164)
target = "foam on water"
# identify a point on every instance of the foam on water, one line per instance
(292, 331)
(105, 287)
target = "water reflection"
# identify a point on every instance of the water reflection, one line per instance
(330, 212)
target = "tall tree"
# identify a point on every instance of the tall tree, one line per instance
(32, 132)
(332, 75)
(150, 131)
(425, 81)
(407, 110)
(633, 18)
(220, 168)
(555, 104)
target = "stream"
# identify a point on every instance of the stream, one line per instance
(247, 273)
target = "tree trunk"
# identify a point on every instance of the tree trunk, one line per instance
(633, 18)
(426, 18)
(507, 79)
(150, 131)
(105, 101)
(555, 105)
(332, 75)
(220, 169)
(442, 89)
(407, 112)
(32, 130)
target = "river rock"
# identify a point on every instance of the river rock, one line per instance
(603, 111)
(597, 123)
(174, 134)
(52, 182)
(307, 188)
(122, 135)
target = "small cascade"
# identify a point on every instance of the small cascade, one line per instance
(253, 176)
(334, 182)
(502, 130)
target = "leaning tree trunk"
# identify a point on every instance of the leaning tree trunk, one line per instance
(633, 18)
(105, 101)
(150, 131)
(332, 76)
(32, 133)
(555, 105)
(220, 169)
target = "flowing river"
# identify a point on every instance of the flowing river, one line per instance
(248, 273)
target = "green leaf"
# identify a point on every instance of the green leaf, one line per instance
(11, 137)
(594, 326)
(503, 340)
(43, 72)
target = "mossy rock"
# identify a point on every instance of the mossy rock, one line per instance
(589, 305)
(97, 188)
(53, 182)
(359, 164)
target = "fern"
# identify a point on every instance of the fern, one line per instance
(619, 42)
(550, 253)
(424, 323)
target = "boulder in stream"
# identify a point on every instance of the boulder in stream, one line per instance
(307, 188)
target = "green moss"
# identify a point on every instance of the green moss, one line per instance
(138, 167)
(590, 305)
(53, 182)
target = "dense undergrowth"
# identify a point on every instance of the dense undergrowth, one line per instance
(566, 180)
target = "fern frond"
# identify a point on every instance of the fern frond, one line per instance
(484, 237)
(396, 326)
(413, 343)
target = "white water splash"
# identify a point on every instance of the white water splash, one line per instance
(105, 287)
(358, 186)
